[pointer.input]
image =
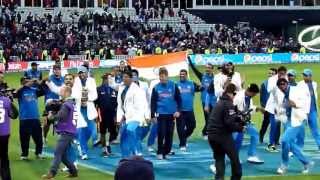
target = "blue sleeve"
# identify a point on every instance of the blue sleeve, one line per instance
(207, 100)
(154, 99)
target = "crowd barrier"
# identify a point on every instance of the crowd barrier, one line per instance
(198, 59)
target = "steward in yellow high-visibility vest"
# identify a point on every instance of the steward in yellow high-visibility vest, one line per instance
(165, 51)
(207, 51)
(302, 50)
(139, 52)
(101, 53)
(189, 51)
(219, 50)
(44, 55)
(270, 50)
(158, 50)
(2, 59)
(87, 53)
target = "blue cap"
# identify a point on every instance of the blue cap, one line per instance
(291, 72)
(82, 69)
(307, 72)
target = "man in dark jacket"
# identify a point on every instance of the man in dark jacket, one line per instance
(223, 121)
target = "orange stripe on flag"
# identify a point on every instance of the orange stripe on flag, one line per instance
(157, 60)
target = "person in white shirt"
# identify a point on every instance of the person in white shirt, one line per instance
(227, 76)
(84, 91)
(275, 125)
(130, 113)
(243, 101)
(291, 111)
(310, 93)
(144, 126)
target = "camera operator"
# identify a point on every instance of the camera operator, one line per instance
(223, 121)
(8, 111)
(65, 126)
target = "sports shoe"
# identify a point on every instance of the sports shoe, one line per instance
(105, 154)
(160, 157)
(205, 137)
(65, 169)
(282, 170)
(71, 175)
(290, 154)
(213, 168)
(108, 149)
(183, 148)
(40, 156)
(307, 167)
(255, 160)
(171, 153)
(150, 149)
(84, 157)
(47, 176)
(272, 148)
(96, 143)
(24, 158)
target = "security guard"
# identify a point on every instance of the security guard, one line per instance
(107, 106)
(222, 123)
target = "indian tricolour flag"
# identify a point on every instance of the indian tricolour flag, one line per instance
(148, 65)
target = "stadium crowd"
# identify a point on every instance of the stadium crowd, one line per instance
(101, 34)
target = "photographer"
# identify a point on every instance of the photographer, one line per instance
(65, 125)
(223, 121)
(8, 111)
(29, 116)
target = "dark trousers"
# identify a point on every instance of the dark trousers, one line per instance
(165, 133)
(108, 124)
(264, 127)
(4, 159)
(222, 146)
(186, 123)
(206, 117)
(31, 128)
(60, 154)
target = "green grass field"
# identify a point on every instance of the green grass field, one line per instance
(33, 169)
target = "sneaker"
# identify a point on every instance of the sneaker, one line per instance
(116, 141)
(24, 158)
(272, 148)
(71, 175)
(213, 168)
(47, 176)
(160, 157)
(171, 153)
(183, 148)
(96, 143)
(105, 154)
(307, 167)
(255, 160)
(290, 154)
(84, 157)
(282, 170)
(150, 149)
(109, 149)
(205, 137)
(40, 156)
(65, 169)
(139, 154)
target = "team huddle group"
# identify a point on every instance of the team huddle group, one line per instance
(125, 105)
